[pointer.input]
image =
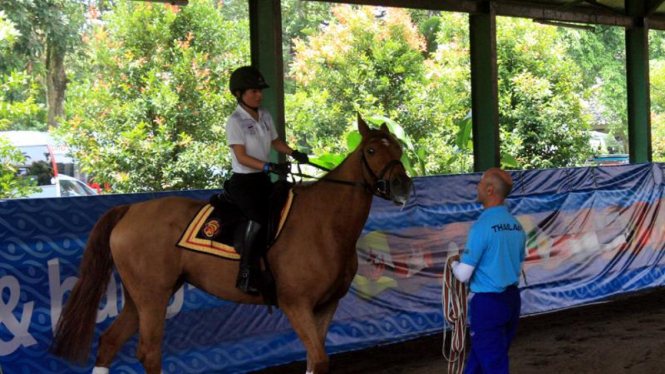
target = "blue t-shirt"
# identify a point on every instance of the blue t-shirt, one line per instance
(496, 248)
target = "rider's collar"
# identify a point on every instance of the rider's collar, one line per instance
(245, 114)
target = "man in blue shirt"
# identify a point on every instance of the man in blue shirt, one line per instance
(491, 261)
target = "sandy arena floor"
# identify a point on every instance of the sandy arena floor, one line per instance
(626, 335)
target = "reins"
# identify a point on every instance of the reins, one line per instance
(330, 180)
(454, 301)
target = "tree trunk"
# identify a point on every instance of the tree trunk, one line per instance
(56, 83)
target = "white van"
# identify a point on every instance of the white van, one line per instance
(44, 162)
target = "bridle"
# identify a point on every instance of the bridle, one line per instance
(379, 186)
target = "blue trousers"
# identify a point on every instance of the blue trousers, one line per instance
(494, 319)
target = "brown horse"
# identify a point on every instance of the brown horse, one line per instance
(313, 261)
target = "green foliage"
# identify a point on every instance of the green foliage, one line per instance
(47, 32)
(147, 101)
(376, 66)
(40, 24)
(541, 94)
(150, 114)
(20, 108)
(601, 56)
(657, 80)
(300, 19)
(12, 186)
(8, 33)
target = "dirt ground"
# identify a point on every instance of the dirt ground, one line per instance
(624, 335)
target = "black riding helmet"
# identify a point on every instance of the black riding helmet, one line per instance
(246, 78)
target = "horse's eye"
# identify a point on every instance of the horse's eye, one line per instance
(371, 151)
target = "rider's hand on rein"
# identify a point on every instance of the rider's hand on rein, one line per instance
(300, 157)
(283, 168)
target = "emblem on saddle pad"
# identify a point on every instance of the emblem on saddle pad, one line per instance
(211, 228)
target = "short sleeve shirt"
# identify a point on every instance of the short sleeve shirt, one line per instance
(496, 249)
(256, 136)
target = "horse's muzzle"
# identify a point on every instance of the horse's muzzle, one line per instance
(400, 189)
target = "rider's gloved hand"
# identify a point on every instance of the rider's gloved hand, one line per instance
(281, 169)
(300, 157)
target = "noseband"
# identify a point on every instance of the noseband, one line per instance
(379, 186)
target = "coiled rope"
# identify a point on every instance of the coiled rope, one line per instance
(454, 301)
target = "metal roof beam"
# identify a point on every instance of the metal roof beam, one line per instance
(463, 6)
(524, 9)
(603, 6)
(538, 11)
(172, 2)
(652, 6)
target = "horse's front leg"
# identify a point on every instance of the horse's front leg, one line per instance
(323, 315)
(305, 325)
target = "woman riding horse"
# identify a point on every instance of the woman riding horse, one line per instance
(313, 261)
(250, 133)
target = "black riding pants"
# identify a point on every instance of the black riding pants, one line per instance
(251, 192)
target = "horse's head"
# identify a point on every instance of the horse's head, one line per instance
(381, 153)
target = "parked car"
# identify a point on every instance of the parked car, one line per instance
(64, 186)
(44, 161)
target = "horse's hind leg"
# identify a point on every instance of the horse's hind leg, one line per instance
(115, 336)
(152, 313)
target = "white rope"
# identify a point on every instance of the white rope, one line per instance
(454, 302)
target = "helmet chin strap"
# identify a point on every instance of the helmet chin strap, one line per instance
(241, 101)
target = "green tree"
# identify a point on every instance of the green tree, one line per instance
(150, 115)
(12, 186)
(657, 80)
(19, 91)
(601, 56)
(372, 60)
(49, 31)
(300, 19)
(541, 94)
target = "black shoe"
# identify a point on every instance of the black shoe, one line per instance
(246, 283)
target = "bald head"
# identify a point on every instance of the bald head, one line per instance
(494, 187)
(500, 180)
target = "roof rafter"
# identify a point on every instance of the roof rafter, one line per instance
(464, 6)
(171, 2)
(603, 6)
(652, 6)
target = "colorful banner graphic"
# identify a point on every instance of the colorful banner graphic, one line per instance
(592, 233)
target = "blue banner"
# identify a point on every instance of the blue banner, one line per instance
(592, 233)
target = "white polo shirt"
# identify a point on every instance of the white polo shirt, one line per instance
(256, 136)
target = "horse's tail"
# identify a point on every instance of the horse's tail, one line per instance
(76, 327)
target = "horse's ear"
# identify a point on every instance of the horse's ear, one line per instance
(384, 128)
(362, 126)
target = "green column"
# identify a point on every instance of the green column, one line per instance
(265, 25)
(484, 91)
(637, 76)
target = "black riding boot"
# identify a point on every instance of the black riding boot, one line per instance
(246, 282)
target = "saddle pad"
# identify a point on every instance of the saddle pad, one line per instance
(207, 233)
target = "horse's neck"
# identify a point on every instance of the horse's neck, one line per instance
(350, 170)
(353, 201)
